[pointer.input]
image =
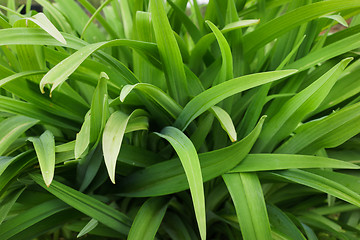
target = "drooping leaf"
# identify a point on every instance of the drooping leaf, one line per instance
(168, 177)
(190, 162)
(88, 205)
(154, 94)
(114, 131)
(225, 121)
(45, 151)
(42, 21)
(216, 94)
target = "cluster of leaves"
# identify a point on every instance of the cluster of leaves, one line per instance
(146, 119)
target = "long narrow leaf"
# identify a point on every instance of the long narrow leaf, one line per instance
(168, 177)
(88, 205)
(148, 219)
(216, 94)
(296, 108)
(190, 161)
(246, 192)
(269, 162)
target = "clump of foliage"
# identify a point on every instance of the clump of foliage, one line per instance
(149, 119)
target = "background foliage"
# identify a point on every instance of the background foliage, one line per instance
(143, 119)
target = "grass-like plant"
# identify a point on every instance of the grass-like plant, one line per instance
(146, 119)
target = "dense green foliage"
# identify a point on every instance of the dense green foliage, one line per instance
(142, 119)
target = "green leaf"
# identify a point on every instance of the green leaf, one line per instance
(226, 71)
(19, 75)
(148, 219)
(88, 205)
(45, 151)
(328, 132)
(169, 53)
(83, 137)
(320, 183)
(297, 108)
(190, 161)
(225, 121)
(154, 94)
(26, 219)
(246, 193)
(12, 128)
(280, 25)
(16, 166)
(42, 21)
(95, 15)
(99, 110)
(216, 94)
(204, 43)
(58, 74)
(7, 203)
(337, 18)
(270, 162)
(88, 227)
(282, 223)
(114, 131)
(168, 177)
(325, 53)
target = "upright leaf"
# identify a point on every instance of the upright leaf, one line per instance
(247, 195)
(148, 219)
(296, 108)
(169, 53)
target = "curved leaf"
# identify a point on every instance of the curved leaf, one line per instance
(12, 128)
(26, 219)
(148, 219)
(42, 21)
(168, 177)
(296, 108)
(45, 151)
(328, 132)
(65, 68)
(225, 121)
(216, 94)
(190, 161)
(278, 26)
(270, 162)
(88, 205)
(321, 183)
(114, 131)
(154, 94)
